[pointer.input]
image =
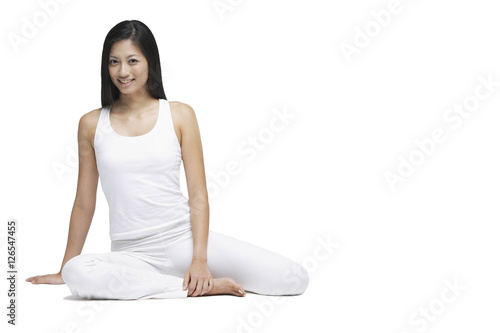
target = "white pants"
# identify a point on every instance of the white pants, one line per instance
(154, 267)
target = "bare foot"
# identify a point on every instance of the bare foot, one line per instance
(226, 286)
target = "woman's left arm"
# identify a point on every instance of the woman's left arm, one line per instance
(198, 278)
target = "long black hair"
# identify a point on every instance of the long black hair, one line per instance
(140, 34)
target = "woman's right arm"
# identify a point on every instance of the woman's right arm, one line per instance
(84, 205)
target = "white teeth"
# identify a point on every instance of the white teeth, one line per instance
(125, 81)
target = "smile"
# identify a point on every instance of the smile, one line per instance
(125, 82)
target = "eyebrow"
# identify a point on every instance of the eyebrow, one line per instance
(125, 58)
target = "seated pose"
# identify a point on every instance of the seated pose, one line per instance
(161, 246)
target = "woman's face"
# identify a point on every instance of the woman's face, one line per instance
(128, 67)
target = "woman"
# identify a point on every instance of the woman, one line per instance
(161, 246)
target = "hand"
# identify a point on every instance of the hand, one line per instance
(47, 278)
(199, 278)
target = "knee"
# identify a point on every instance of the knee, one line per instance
(292, 280)
(296, 279)
(70, 270)
(304, 280)
(74, 270)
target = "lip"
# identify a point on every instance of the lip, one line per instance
(125, 84)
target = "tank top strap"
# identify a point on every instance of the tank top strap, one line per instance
(103, 127)
(168, 123)
(160, 122)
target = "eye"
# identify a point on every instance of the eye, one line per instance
(134, 60)
(111, 61)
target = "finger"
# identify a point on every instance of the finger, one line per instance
(192, 287)
(32, 278)
(205, 286)
(210, 284)
(199, 288)
(195, 292)
(186, 281)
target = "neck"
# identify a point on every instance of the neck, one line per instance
(134, 103)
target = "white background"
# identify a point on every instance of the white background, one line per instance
(321, 177)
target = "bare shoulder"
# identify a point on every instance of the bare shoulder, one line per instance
(181, 110)
(183, 117)
(88, 125)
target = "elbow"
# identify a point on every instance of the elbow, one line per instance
(199, 202)
(198, 198)
(85, 207)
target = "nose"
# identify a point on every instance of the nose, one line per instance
(124, 70)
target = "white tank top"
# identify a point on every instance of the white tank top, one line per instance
(140, 179)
